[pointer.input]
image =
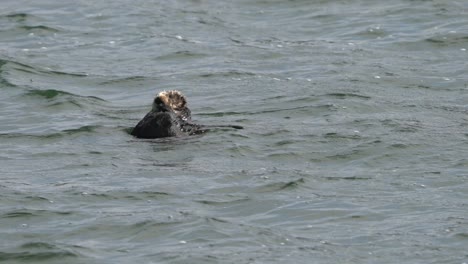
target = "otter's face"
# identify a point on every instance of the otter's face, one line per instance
(159, 106)
(173, 100)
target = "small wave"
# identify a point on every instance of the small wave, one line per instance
(185, 54)
(346, 95)
(6, 64)
(334, 135)
(64, 73)
(222, 201)
(241, 150)
(351, 178)
(36, 198)
(10, 63)
(29, 213)
(51, 94)
(48, 94)
(449, 39)
(62, 133)
(410, 126)
(302, 99)
(229, 73)
(86, 129)
(372, 33)
(37, 251)
(130, 79)
(18, 214)
(233, 113)
(26, 136)
(38, 245)
(9, 66)
(282, 155)
(279, 186)
(35, 256)
(74, 131)
(285, 142)
(39, 28)
(37, 70)
(348, 155)
(18, 17)
(221, 114)
(3, 81)
(131, 196)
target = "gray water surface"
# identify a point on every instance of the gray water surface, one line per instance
(354, 148)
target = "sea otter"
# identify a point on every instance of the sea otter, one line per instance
(169, 117)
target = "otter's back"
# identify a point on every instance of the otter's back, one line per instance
(156, 125)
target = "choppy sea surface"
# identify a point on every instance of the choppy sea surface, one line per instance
(354, 147)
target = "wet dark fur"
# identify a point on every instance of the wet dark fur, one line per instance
(166, 120)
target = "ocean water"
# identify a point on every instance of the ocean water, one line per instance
(354, 147)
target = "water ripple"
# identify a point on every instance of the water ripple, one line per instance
(38, 256)
(53, 94)
(354, 138)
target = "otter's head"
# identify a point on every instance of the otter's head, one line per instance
(172, 100)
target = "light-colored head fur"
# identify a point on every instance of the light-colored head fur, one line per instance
(173, 99)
